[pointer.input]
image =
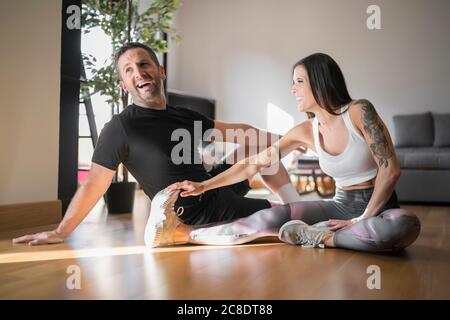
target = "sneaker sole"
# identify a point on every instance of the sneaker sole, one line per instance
(154, 227)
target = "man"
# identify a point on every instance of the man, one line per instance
(141, 138)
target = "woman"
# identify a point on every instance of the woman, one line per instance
(353, 146)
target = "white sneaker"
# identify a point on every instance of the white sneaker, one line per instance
(163, 220)
(298, 232)
(321, 226)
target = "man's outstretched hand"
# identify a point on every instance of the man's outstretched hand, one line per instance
(47, 237)
(191, 188)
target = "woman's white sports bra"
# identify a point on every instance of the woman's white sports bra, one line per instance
(354, 165)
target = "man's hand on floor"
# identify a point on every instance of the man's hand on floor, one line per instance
(47, 237)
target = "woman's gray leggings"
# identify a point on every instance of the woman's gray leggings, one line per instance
(392, 230)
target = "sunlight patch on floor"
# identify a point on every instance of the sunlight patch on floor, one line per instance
(18, 257)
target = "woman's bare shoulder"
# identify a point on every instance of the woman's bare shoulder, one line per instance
(360, 106)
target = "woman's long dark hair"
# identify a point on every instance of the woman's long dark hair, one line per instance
(327, 82)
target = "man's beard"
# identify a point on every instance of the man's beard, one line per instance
(153, 95)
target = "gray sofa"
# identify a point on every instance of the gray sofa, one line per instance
(422, 143)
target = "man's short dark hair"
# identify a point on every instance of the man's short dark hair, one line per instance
(132, 45)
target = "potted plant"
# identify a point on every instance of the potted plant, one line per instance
(123, 21)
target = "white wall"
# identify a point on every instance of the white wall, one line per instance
(30, 37)
(240, 52)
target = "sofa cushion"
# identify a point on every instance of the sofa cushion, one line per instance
(441, 130)
(414, 130)
(424, 158)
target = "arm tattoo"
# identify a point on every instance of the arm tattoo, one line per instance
(375, 129)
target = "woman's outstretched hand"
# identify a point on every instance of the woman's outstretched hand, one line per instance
(191, 188)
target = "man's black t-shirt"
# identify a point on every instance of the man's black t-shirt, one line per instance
(141, 139)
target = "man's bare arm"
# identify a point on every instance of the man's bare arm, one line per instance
(84, 200)
(242, 133)
(250, 140)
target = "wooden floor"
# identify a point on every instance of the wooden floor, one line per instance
(114, 264)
